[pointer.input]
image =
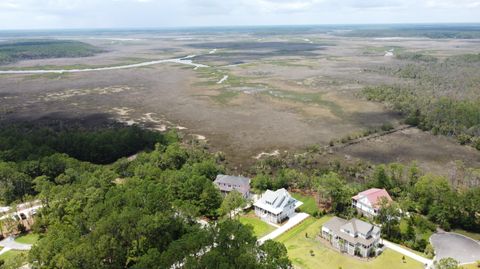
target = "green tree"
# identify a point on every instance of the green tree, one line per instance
(334, 190)
(232, 201)
(389, 216)
(447, 263)
(381, 178)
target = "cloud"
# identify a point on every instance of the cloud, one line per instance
(286, 6)
(160, 13)
(452, 3)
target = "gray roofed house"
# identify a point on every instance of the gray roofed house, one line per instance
(354, 236)
(276, 206)
(227, 184)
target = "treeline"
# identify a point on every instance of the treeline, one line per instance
(143, 213)
(30, 150)
(444, 115)
(441, 96)
(434, 32)
(42, 49)
(30, 141)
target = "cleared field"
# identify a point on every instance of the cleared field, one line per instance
(300, 247)
(260, 228)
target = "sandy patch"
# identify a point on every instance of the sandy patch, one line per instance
(223, 79)
(66, 94)
(267, 154)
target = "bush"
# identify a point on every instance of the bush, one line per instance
(387, 127)
(429, 251)
(464, 139)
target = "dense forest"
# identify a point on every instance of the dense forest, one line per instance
(30, 150)
(442, 96)
(460, 31)
(135, 213)
(14, 51)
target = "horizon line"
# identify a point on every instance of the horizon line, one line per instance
(241, 26)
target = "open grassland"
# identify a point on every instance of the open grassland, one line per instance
(301, 240)
(260, 228)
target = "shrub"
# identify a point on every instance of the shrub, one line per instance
(387, 127)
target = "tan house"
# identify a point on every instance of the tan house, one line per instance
(354, 236)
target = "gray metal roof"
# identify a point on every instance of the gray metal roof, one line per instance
(275, 201)
(357, 226)
(354, 225)
(234, 180)
(335, 223)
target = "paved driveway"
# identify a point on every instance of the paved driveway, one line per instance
(427, 262)
(10, 243)
(459, 247)
(292, 222)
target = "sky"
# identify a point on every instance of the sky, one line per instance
(66, 14)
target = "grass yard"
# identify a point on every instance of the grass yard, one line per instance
(470, 266)
(30, 238)
(14, 258)
(309, 204)
(260, 228)
(414, 251)
(475, 236)
(299, 247)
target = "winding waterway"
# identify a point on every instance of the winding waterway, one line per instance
(185, 60)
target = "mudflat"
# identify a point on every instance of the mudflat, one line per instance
(245, 95)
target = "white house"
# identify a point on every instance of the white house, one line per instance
(276, 206)
(354, 236)
(368, 202)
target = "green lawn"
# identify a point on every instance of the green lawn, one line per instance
(309, 204)
(414, 251)
(475, 236)
(299, 247)
(260, 228)
(14, 258)
(470, 266)
(30, 238)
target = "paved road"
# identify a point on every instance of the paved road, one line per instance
(292, 222)
(4, 250)
(186, 60)
(10, 243)
(461, 248)
(408, 253)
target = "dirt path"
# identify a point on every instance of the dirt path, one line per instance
(370, 137)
